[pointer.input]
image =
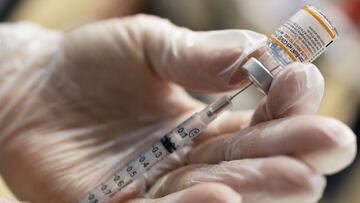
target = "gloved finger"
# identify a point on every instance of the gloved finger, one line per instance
(207, 192)
(6, 200)
(262, 180)
(229, 122)
(198, 61)
(325, 144)
(297, 89)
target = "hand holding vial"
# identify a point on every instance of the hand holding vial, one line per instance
(104, 93)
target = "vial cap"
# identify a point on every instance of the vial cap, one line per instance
(260, 76)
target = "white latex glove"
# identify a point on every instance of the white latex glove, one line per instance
(76, 107)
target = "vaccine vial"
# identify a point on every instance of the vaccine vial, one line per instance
(302, 38)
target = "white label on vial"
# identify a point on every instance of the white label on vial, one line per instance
(304, 36)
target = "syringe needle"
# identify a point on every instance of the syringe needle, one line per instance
(240, 91)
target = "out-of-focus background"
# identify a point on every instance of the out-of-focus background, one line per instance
(340, 64)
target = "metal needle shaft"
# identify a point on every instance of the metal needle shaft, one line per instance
(243, 89)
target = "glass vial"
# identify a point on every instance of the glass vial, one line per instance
(302, 38)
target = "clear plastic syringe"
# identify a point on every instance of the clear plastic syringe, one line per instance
(302, 38)
(175, 139)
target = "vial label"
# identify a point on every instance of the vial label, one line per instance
(306, 35)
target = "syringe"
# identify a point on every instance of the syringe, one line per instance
(180, 136)
(302, 38)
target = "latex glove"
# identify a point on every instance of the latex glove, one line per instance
(5, 200)
(75, 108)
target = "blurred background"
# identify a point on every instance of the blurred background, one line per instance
(339, 65)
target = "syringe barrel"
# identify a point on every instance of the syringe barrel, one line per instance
(214, 109)
(124, 176)
(178, 137)
(193, 126)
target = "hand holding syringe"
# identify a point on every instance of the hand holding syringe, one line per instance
(303, 38)
(78, 106)
(180, 136)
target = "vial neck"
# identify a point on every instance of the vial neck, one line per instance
(272, 61)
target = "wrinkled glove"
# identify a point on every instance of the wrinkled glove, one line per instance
(76, 107)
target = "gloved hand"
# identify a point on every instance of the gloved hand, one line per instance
(76, 107)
